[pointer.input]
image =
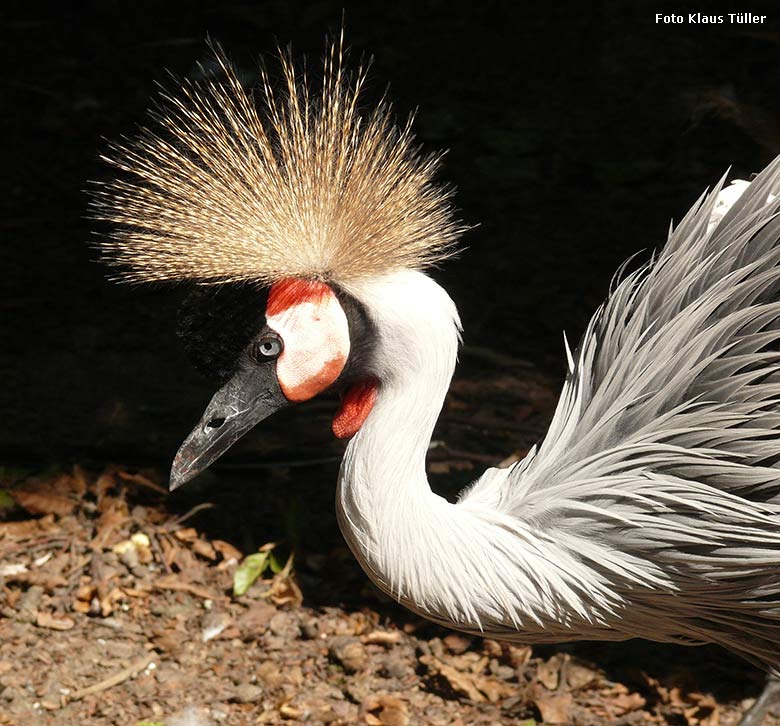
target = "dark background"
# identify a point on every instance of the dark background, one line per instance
(574, 133)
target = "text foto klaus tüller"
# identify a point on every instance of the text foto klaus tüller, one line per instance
(704, 19)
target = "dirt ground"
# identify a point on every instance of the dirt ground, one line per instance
(117, 606)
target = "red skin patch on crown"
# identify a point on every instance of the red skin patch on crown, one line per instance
(293, 291)
(355, 407)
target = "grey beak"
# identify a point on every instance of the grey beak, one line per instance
(250, 396)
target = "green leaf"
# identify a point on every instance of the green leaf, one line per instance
(248, 571)
(6, 500)
(274, 563)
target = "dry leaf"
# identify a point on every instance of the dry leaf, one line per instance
(554, 707)
(79, 481)
(36, 577)
(227, 550)
(170, 551)
(626, 702)
(28, 527)
(186, 534)
(284, 591)
(104, 483)
(382, 637)
(43, 499)
(579, 676)
(494, 689)
(547, 673)
(519, 655)
(662, 693)
(107, 602)
(459, 682)
(706, 711)
(204, 549)
(113, 515)
(386, 711)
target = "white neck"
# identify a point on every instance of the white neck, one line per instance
(464, 564)
(383, 496)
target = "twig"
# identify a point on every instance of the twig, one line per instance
(116, 679)
(143, 481)
(49, 542)
(184, 517)
(167, 583)
(74, 572)
(159, 552)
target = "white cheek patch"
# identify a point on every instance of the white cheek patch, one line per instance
(316, 346)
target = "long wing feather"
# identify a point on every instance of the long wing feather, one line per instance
(660, 472)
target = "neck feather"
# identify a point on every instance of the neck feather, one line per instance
(465, 565)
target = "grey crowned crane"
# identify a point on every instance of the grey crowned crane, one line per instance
(652, 507)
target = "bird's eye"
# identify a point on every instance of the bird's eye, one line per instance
(266, 348)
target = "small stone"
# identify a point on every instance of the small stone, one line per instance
(290, 712)
(349, 652)
(322, 710)
(519, 655)
(284, 625)
(256, 619)
(383, 637)
(310, 629)
(138, 513)
(505, 673)
(219, 713)
(457, 643)
(396, 667)
(29, 602)
(53, 621)
(358, 691)
(436, 648)
(492, 648)
(248, 693)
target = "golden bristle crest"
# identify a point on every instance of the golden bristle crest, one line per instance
(298, 185)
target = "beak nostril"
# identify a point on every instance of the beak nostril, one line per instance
(215, 423)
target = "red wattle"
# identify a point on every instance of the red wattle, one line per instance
(355, 407)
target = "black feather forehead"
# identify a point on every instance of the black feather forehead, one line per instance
(217, 323)
(293, 181)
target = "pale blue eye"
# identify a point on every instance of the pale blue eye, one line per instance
(266, 348)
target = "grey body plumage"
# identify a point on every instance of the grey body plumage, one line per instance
(661, 468)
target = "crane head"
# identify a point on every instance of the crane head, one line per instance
(297, 188)
(313, 337)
